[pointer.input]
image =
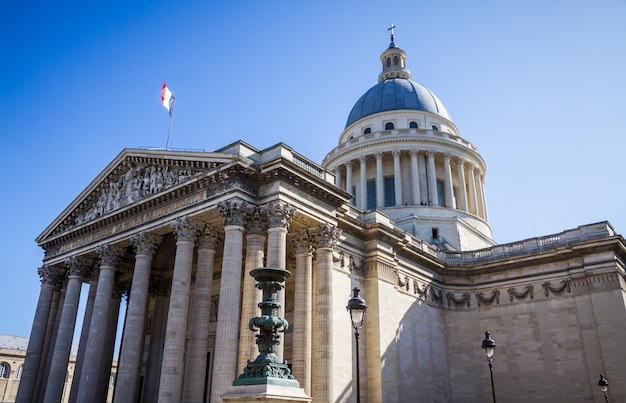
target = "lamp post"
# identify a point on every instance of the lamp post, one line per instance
(604, 387)
(490, 347)
(356, 307)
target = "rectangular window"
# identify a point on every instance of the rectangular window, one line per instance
(371, 195)
(441, 193)
(390, 191)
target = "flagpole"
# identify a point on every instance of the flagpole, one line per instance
(167, 144)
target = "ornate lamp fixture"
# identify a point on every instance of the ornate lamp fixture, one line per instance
(266, 368)
(604, 387)
(490, 348)
(356, 307)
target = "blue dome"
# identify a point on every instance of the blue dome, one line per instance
(396, 94)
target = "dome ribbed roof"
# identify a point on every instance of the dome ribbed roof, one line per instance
(396, 94)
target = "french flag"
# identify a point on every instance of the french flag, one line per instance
(167, 99)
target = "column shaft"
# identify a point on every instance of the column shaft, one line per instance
(473, 196)
(380, 182)
(433, 197)
(397, 177)
(51, 334)
(33, 360)
(229, 308)
(462, 185)
(415, 178)
(63, 343)
(349, 180)
(84, 334)
(108, 347)
(160, 289)
(251, 296)
(198, 345)
(129, 369)
(449, 187)
(94, 355)
(363, 185)
(302, 315)
(171, 384)
(322, 384)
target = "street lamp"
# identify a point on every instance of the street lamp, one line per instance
(604, 387)
(490, 348)
(356, 307)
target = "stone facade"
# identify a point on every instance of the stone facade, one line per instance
(398, 210)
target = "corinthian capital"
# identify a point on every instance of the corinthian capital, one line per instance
(50, 276)
(256, 221)
(304, 241)
(233, 211)
(145, 243)
(185, 230)
(209, 239)
(280, 213)
(327, 235)
(78, 266)
(109, 255)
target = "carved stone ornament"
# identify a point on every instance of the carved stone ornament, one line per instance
(145, 243)
(78, 266)
(436, 295)
(327, 236)
(527, 291)
(564, 286)
(279, 214)
(210, 238)
(109, 255)
(256, 221)
(233, 211)
(304, 241)
(185, 229)
(481, 298)
(50, 276)
(138, 182)
(463, 299)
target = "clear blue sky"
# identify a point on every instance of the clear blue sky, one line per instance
(537, 86)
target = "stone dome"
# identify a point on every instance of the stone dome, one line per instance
(396, 94)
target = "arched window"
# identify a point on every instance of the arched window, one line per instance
(389, 126)
(413, 125)
(434, 127)
(367, 130)
(388, 61)
(395, 60)
(18, 372)
(5, 370)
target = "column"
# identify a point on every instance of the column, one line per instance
(472, 188)
(94, 355)
(363, 201)
(397, 177)
(322, 384)
(225, 357)
(51, 334)
(462, 184)
(61, 353)
(349, 179)
(433, 198)
(279, 215)
(303, 309)
(256, 227)
(415, 178)
(108, 347)
(171, 384)
(198, 345)
(129, 369)
(160, 289)
(51, 278)
(482, 196)
(338, 176)
(380, 184)
(84, 334)
(449, 187)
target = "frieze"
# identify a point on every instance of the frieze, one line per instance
(224, 186)
(123, 225)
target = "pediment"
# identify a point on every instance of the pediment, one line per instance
(134, 176)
